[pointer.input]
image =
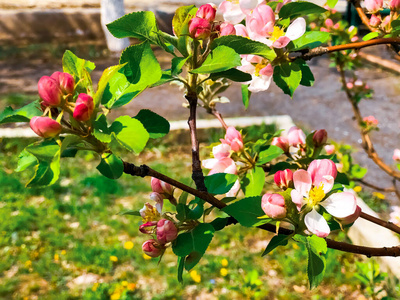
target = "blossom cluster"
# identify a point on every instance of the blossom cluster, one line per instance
(374, 7)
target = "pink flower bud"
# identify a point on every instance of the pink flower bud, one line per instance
(207, 12)
(274, 206)
(65, 80)
(148, 228)
(281, 142)
(349, 85)
(199, 28)
(320, 137)
(373, 6)
(50, 91)
(234, 139)
(152, 248)
(284, 179)
(371, 121)
(328, 23)
(375, 20)
(296, 136)
(354, 39)
(394, 5)
(227, 28)
(330, 149)
(83, 108)
(166, 231)
(352, 218)
(396, 155)
(161, 187)
(45, 127)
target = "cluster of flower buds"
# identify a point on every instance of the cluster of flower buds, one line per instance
(359, 89)
(202, 25)
(370, 123)
(161, 190)
(374, 7)
(295, 138)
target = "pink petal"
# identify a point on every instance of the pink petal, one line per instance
(281, 42)
(320, 168)
(297, 199)
(302, 182)
(317, 224)
(340, 205)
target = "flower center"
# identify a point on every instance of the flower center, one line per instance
(259, 67)
(316, 195)
(151, 214)
(234, 1)
(276, 34)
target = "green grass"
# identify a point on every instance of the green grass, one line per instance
(51, 236)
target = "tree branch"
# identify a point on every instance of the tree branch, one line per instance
(375, 187)
(144, 170)
(388, 225)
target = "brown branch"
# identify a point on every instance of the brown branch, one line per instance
(388, 225)
(375, 187)
(218, 115)
(144, 170)
(396, 191)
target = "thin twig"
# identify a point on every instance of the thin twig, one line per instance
(218, 115)
(375, 187)
(380, 222)
(144, 170)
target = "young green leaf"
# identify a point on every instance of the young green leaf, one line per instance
(277, 240)
(299, 9)
(25, 160)
(80, 69)
(219, 183)
(24, 114)
(307, 77)
(253, 182)
(288, 77)
(246, 94)
(370, 36)
(310, 39)
(181, 18)
(105, 78)
(155, 125)
(222, 58)
(232, 74)
(101, 130)
(111, 166)
(269, 154)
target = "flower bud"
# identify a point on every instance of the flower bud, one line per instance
(83, 108)
(281, 142)
(396, 155)
(373, 6)
(330, 149)
(207, 12)
(352, 218)
(320, 137)
(65, 80)
(274, 206)
(375, 20)
(50, 91)
(328, 23)
(234, 139)
(284, 179)
(296, 136)
(349, 85)
(148, 228)
(370, 121)
(152, 248)
(227, 28)
(199, 28)
(161, 187)
(45, 127)
(394, 5)
(166, 231)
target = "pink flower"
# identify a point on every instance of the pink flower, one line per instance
(260, 23)
(311, 187)
(50, 91)
(261, 72)
(224, 165)
(199, 28)
(235, 11)
(296, 137)
(207, 12)
(375, 20)
(281, 142)
(148, 228)
(349, 85)
(166, 231)
(274, 206)
(284, 179)
(45, 127)
(396, 155)
(394, 5)
(320, 137)
(330, 149)
(152, 248)
(161, 187)
(227, 29)
(149, 213)
(84, 108)
(328, 23)
(370, 121)
(65, 80)
(295, 30)
(234, 139)
(373, 6)
(395, 215)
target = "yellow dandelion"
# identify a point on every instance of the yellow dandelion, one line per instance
(124, 283)
(63, 252)
(28, 264)
(195, 276)
(357, 189)
(115, 296)
(56, 257)
(379, 195)
(146, 257)
(95, 286)
(128, 245)
(224, 262)
(113, 258)
(131, 286)
(223, 272)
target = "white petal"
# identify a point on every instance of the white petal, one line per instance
(296, 29)
(302, 182)
(297, 199)
(328, 182)
(340, 205)
(316, 224)
(209, 163)
(260, 83)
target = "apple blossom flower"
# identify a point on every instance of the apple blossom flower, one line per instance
(161, 187)
(375, 20)
(280, 39)
(320, 137)
(260, 23)
(152, 248)
(65, 80)
(50, 91)
(149, 213)
(395, 215)
(261, 72)
(84, 108)
(45, 127)
(311, 187)
(148, 228)
(227, 28)
(373, 6)
(329, 149)
(233, 138)
(166, 231)
(284, 179)
(281, 142)
(370, 121)
(296, 136)
(199, 28)
(274, 206)
(396, 155)
(224, 165)
(394, 5)
(207, 12)
(235, 11)
(350, 219)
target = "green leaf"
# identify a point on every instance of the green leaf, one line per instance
(220, 59)
(342, 178)
(25, 160)
(193, 244)
(219, 223)
(111, 166)
(247, 211)
(287, 76)
(371, 36)
(47, 170)
(154, 124)
(310, 39)
(253, 182)
(182, 16)
(307, 77)
(182, 212)
(269, 154)
(101, 130)
(197, 209)
(165, 77)
(80, 69)
(68, 143)
(232, 74)
(219, 183)
(181, 265)
(24, 114)
(130, 133)
(130, 213)
(357, 171)
(177, 64)
(316, 248)
(243, 45)
(299, 9)
(105, 78)
(332, 3)
(246, 94)
(277, 240)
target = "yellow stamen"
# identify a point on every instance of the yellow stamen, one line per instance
(276, 34)
(259, 67)
(316, 195)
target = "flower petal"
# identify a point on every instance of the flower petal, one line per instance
(209, 163)
(317, 224)
(302, 182)
(259, 83)
(297, 199)
(296, 29)
(340, 205)
(281, 42)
